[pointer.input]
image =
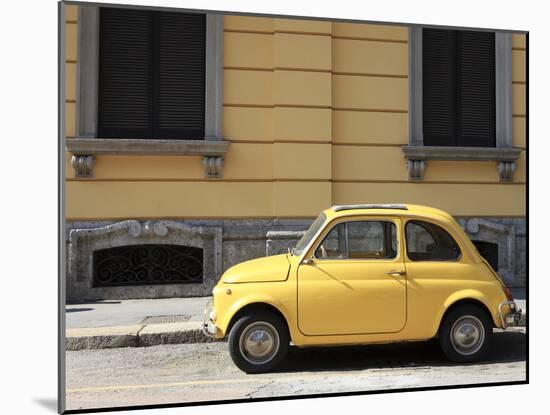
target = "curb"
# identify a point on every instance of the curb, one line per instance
(172, 333)
(135, 336)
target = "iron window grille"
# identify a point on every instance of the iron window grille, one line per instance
(147, 265)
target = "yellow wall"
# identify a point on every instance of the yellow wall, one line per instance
(71, 43)
(316, 113)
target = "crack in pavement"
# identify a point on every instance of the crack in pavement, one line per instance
(259, 388)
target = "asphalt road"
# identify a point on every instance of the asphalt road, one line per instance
(205, 372)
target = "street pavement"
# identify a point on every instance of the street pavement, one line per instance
(204, 372)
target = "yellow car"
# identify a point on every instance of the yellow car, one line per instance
(363, 274)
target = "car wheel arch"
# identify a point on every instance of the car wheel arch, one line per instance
(464, 301)
(256, 307)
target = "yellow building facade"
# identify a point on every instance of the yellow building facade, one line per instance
(315, 113)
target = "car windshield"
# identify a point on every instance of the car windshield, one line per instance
(309, 234)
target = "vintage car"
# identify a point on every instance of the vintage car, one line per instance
(363, 274)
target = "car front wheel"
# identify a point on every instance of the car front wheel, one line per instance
(465, 334)
(258, 342)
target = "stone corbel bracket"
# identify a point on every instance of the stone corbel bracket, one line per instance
(506, 170)
(416, 169)
(85, 151)
(212, 167)
(83, 165)
(418, 155)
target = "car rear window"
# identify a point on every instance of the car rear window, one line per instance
(427, 241)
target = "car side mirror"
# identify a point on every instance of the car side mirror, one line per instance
(307, 261)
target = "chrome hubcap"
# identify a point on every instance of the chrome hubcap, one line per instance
(467, 335)
(259, 342)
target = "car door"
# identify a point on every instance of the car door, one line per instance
(354, 283)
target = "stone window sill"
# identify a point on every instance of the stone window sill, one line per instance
(84, 151)
(505, 156)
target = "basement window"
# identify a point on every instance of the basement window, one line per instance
(150, 264)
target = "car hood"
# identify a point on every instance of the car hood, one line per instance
(266, 269)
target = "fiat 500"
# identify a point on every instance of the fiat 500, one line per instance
(363, 274)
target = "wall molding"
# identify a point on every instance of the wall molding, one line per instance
(129, 146)
(505, 156)
(461, 153)
(85, 151)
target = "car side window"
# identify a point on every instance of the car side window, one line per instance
(334, 244)
(429, 242)
(359, 240)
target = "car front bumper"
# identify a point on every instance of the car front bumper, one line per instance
(512, 318)
(209, 328)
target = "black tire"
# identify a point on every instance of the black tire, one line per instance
(266, 325)
(465, 334)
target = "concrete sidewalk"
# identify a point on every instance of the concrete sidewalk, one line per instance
(134, 323)
(128, 312)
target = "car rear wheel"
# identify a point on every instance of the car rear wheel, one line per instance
(258, 342)
(466, 333)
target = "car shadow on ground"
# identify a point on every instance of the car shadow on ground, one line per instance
(506, 347)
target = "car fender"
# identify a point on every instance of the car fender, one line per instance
(467, 294)
(253, 299)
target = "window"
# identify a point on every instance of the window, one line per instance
(429, 242)
(309, 234)
(460, 99)
(359, 240)
(151, 74)
(147, 265)
(458, 88)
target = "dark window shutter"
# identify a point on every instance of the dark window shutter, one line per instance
(181, 75)
(476, 54)
(125, 74)
(439, 87)
(151, 74)
(458, 88)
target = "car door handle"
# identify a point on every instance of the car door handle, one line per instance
(394, 273)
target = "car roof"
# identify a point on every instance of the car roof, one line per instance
(385, 209)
